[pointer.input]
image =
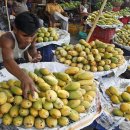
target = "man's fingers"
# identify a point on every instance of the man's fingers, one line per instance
(36, 89)
(38, 52)
(32, 91)
(25, 91)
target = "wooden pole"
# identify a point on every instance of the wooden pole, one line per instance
(96, 20)
(7, 15)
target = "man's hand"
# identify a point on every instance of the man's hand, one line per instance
(28, 86)
(37, 57)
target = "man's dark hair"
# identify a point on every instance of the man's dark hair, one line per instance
(27, 23)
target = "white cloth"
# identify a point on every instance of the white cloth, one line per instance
(84, 9)
(62, 19)
(18, 53)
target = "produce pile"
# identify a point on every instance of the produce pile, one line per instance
(124, 12)
(123, 99)
(62, 97)
(47, 34)
(108, 6)
(123, 36)
(70, 5)
(107, 18)
(96, 56)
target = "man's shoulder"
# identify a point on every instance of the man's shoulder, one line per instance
(6, 35)
(6, 38)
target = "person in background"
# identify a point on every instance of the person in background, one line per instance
(125, 4)
(9, 5)
(93, 4)
(19, 6)
(40, 14)
(83, 8)
(20, 43)
(56, 12)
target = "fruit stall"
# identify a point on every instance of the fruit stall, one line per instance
(80, 85)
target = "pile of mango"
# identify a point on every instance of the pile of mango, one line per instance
(123, 36)
(124, 12)
(62, 97)
(47, 35)
(70, 5)
(107, 18)
(120, 98)
(96, 56)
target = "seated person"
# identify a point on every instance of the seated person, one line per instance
(83, 9)
(39, 14)
(55, 11)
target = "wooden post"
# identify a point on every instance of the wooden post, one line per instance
(7, 15)
(96, 20)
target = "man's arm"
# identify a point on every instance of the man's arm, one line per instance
(36, 55)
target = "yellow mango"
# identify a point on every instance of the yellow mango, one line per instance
(18, 121)
(73, 103)
(75, 94)
(39, 123)
(51, 122)
(71, 86)
(14, 111)
(7, 119)
(63, 121)
(16, 90)
(28, 121)
(5, 108)
(72, 70)
(51, 80)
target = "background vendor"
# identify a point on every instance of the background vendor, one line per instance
(19, 43)
(55, 12)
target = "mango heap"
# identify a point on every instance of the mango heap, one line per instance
(107, 18)
(70, 5)
(46, 35)
(63, 96)
(96, 56)
(124, 12)
(123, 36)
(120, 98)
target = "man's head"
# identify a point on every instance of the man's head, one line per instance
(26, 25)
(84, 1)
